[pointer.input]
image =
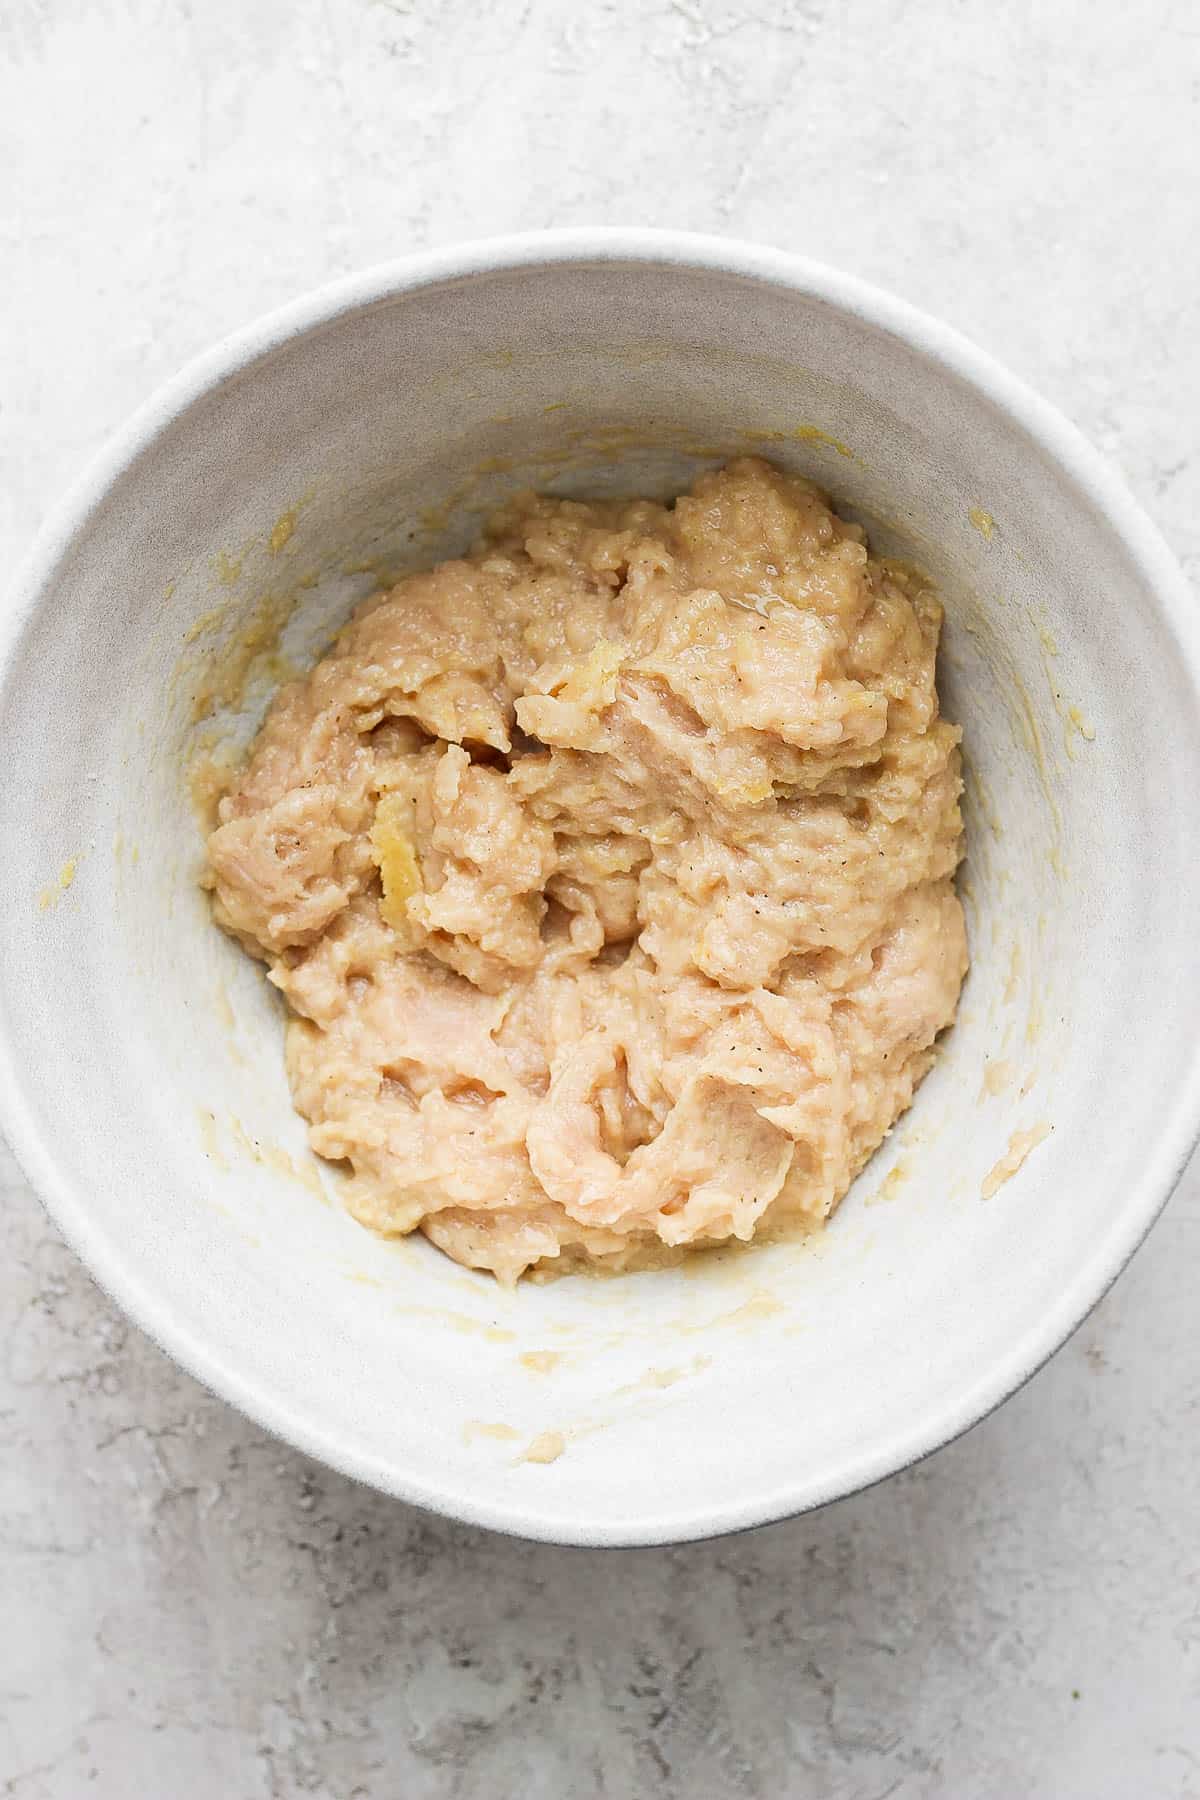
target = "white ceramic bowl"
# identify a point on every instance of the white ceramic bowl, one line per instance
(142, 1081)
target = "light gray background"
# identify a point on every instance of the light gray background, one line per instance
(187, 1609)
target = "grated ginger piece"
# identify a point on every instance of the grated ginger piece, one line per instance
(397, 860)
(592, 681)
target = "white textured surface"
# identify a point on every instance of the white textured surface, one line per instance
(190, 1609)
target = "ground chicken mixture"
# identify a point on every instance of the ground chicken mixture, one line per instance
(607, 874)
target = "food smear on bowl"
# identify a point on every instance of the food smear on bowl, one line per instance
(546, 1447)
(608, 875)
(1020, 1145)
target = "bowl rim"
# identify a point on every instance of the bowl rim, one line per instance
(943, 345)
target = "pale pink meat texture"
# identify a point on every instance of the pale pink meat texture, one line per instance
(608, 875)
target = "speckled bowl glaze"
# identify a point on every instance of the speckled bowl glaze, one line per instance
(141, 1078)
